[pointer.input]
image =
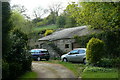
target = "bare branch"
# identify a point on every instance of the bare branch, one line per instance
(19, 8)
(55, 7)
(39, 12)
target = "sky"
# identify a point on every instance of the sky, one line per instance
(32, 4)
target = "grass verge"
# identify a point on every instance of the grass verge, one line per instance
(100, 72)
(28, 75)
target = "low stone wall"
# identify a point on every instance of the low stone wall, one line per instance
(52, 52)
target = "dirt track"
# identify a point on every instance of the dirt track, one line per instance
(49, 70)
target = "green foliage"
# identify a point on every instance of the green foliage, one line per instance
(6, 27)
(106, 62)
(99, 69)
(95, 50)
(21, 23)
(48, 32)
(5, 69)
(65, 21)
(70, 22)
(99, 15)
(18, 58)
(60, 21)
(72, 10)
(37, 20)
(51, 18)
(59, 51)
(93, 73)
(111, 47)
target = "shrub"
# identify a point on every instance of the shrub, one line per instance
(18, 60)
(48, 32)
(15, 70)
(112, 49)
(106, 62)
(5, 70)
(94, 50)
(59, 51)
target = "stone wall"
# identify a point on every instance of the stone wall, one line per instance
(52, 52)
(65, 45)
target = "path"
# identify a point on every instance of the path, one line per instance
(50, 70)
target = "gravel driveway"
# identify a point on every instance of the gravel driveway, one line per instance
(50, 70)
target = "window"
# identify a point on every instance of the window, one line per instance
(74, 52)
(66, 45)
(81, 51)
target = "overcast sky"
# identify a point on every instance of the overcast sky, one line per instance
(32, 4)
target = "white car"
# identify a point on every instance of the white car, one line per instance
(76, 55)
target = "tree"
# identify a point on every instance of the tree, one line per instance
(66, 21)
(68, 13)
(55, 7)
(60, 21)
(98, 15)
(14, 46)
(54, 11)
(21, 23)
(39, 12)
(19, 8)
(6, 27)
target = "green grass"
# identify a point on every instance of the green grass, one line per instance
(83, 71)
(99, 72)
(28, 75)
(45, 27)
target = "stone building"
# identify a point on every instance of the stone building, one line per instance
(63, 39)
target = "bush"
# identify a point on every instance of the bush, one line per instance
(48, 32)
(18, 60)
(112, 49)
(94, 50)
(106, 62)
(5, 69)
(15, 70)
(59, 51)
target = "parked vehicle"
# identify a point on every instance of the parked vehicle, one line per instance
(38, 54)
(76, 55)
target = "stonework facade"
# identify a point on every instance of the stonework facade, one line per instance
(63, 39)
(65, 45)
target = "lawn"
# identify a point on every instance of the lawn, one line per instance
(45, 27)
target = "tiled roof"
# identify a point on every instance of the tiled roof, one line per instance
(68, 33)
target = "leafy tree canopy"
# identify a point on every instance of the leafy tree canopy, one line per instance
(99, 15)
(21, 23)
